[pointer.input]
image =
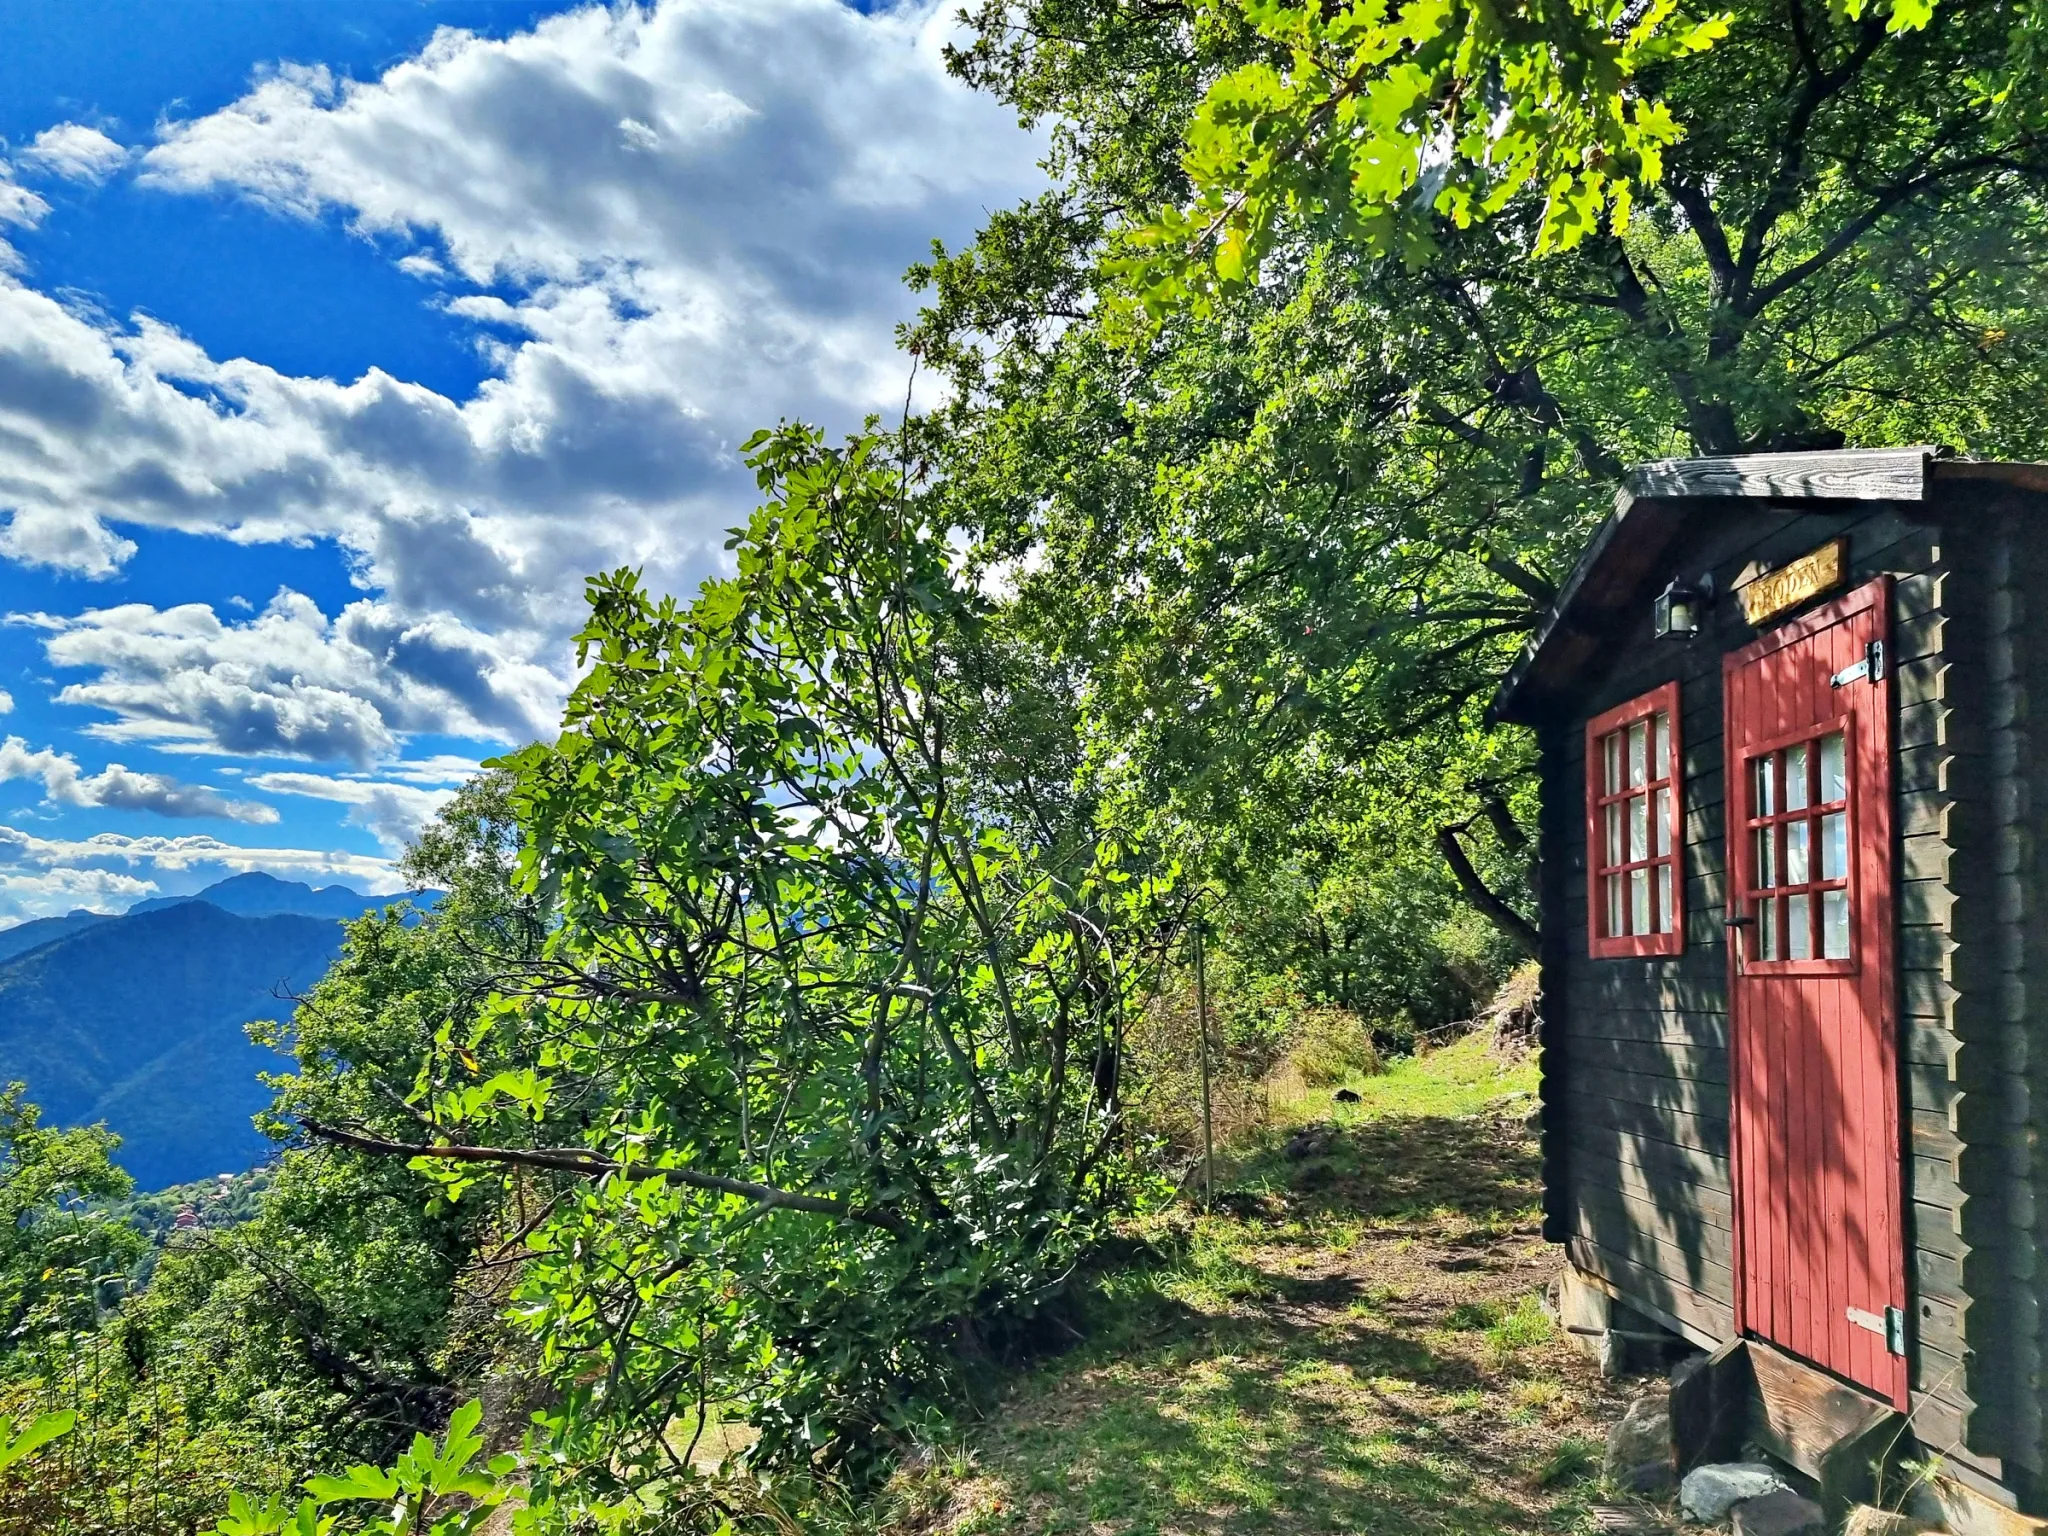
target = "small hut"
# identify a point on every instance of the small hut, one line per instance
(1793, 723)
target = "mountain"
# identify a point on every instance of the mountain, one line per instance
(137, 1021)
(259, 895)
(23, 937)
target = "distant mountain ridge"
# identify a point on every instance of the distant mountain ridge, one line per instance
(256, 894)
(137, 1020)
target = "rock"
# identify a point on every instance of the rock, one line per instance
(1652, 1478)
(1867, 1521)
(1783, 1513)
(1639, 1454)
(1710, 1492)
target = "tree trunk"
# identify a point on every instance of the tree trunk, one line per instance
(1504, 917)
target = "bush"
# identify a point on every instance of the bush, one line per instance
(1331, 1046)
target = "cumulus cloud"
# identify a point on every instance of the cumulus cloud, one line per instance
(667, 234)
(75, 151)
(392, 813)
(116, 787)
(292, 682)
(665, 224)
(40, 875)
(46, 893)
(20, 208)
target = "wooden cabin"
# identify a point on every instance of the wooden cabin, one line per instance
(1793, 723)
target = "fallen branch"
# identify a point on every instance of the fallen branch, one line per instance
(590, 1165)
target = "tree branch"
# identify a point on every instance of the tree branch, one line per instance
(1504, 917)
(590, 1165)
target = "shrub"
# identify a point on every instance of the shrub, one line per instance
(1331, 1046)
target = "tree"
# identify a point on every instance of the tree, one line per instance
(61, 1260)
(1307, 519)
(826, 1025)
(355, 1311)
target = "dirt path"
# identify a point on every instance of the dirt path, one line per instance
(1354, 1345)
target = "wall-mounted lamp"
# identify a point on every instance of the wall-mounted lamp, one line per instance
(1681, 607)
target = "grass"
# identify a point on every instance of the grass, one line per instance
(1351, 1342)
(1467, 1077)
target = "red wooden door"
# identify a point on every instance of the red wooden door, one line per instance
(1814, 1129)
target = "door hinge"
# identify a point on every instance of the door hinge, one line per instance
(1890, 1325)
(1871, 666)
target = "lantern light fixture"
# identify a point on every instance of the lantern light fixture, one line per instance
(1681, 608)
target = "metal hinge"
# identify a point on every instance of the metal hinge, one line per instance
(1871, 666)
(1890, 1326)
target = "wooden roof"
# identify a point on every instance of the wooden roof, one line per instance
(1625, 555)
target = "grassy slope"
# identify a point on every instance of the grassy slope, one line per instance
(1352, 1342)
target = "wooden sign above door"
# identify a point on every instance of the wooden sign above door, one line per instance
(1797, 581)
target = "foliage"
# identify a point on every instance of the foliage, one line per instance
(1286, 538)
(352, 1308)
(1369, 117)
(1332, 1047)
(429, 1491)
(1292, 1361)
(61, 1259)
(827, 1022)
(319, 1310)
(33, 1436)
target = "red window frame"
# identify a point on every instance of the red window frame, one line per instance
(1800, 829)
(1605, 802)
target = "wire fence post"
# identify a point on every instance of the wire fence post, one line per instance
(1202, 1024)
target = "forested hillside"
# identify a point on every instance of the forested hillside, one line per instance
(140, 1022)
(837, 1004)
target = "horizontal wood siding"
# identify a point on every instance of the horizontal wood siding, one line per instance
(1636, 1050)
(1996, 953)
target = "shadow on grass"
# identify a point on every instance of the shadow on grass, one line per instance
(1232, 1445)
(1478, 1166)
(1253, 1371)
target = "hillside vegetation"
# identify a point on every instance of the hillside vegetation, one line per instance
(823, 1032)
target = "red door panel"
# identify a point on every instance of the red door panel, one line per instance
(1819, 1239)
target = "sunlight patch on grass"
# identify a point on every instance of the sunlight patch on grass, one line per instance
(1466, 1077)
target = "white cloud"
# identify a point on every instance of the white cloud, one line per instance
(667, 225)
(75, 151)
(393, 813)
(19, 207)
(41, 875)
(6, 702)
(50, 892)
(292, 682)
(445, 768)
(691, 220)
(119, 788)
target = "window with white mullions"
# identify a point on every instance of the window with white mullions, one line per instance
(1798, 829)
(1634, 834)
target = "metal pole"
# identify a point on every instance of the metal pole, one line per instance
(1208, 1120)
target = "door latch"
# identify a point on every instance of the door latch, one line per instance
(1871, 666)
(1890, 1325)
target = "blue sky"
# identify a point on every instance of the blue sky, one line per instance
(338, 342)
